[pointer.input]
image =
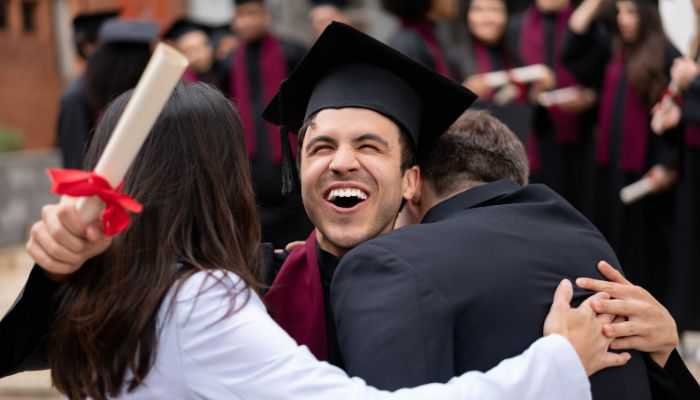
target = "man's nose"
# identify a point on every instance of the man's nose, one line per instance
(344, 161)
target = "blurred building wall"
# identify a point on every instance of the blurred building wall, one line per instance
(29, 79)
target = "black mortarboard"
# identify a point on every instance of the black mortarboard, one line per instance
(337, 3)
(239, 2)
(87, 26)
(128, 31)
(347, 68)
(180, 27)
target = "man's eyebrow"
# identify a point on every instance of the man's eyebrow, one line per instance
(371, 137)
(320, 139)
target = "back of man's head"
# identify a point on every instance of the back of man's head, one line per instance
(476, 149)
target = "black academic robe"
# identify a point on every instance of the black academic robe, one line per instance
(683, 293)
(625, 150)
(283, 218)
(559, 148)
(467, 288)
(74, 124)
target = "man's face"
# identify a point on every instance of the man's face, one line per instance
(195, 46)
(251, 21)
(322, 16)
(352, 185)
(551, 5)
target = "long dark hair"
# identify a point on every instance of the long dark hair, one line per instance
(192, 177)
(645, 66)
(113, 69)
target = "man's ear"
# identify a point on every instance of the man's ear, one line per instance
(412, 185)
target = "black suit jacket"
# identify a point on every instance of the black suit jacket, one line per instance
(467, 288)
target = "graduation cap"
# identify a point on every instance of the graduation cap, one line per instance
(128, 31)
(181, 27)
(347, 68)
(340, 4)
(86, 27)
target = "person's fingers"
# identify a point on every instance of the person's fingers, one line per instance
(614, 289)
(61, 232)
(39, 255)
(634, 342)
(94, 233)
(611, 359)
(624, 329)
(612, 274)
(562, 296)
(293, 245)
(54, 249)
(624, 308)
(606, 318)
(555, 322)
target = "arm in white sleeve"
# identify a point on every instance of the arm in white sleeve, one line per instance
(247, 355)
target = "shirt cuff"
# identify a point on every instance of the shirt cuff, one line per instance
(571, 372)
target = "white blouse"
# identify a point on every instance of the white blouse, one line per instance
(203, 353)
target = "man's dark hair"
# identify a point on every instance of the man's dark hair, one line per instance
(476, 148)
(408, 158)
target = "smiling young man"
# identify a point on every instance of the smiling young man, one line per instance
(362, 110)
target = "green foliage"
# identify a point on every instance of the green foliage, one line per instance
(10, 140)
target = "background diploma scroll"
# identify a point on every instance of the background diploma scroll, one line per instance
(157, 83)
(636, 191)
(526, 74)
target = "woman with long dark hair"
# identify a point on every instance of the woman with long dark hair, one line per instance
(171, 310)
(630, 65)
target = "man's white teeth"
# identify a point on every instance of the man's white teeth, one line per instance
(349, 192)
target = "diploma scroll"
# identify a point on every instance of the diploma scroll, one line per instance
(558, 96)
(157, 83)
(636, 191)
(526, 74)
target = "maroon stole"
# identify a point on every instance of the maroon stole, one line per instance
(532, 50)
(295, 300)
(426, 30)
(635, 121)
(273, 70)
(190, 76)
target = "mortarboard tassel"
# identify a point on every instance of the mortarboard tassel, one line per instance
(290, 176)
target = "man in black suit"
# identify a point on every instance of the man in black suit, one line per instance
(470, 284)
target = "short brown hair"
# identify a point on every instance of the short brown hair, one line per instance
(476, 148)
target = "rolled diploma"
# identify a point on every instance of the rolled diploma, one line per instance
(523, 74)
(554, 97)
(157, 83)
(631, 193)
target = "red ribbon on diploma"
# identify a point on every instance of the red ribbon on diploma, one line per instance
(77, 183)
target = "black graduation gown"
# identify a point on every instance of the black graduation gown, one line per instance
(683, 293)
(469, 287)
(283, 218)
(640, 233)
(563, 165)
(74, 124)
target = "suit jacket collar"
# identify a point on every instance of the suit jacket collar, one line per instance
(470, 198)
